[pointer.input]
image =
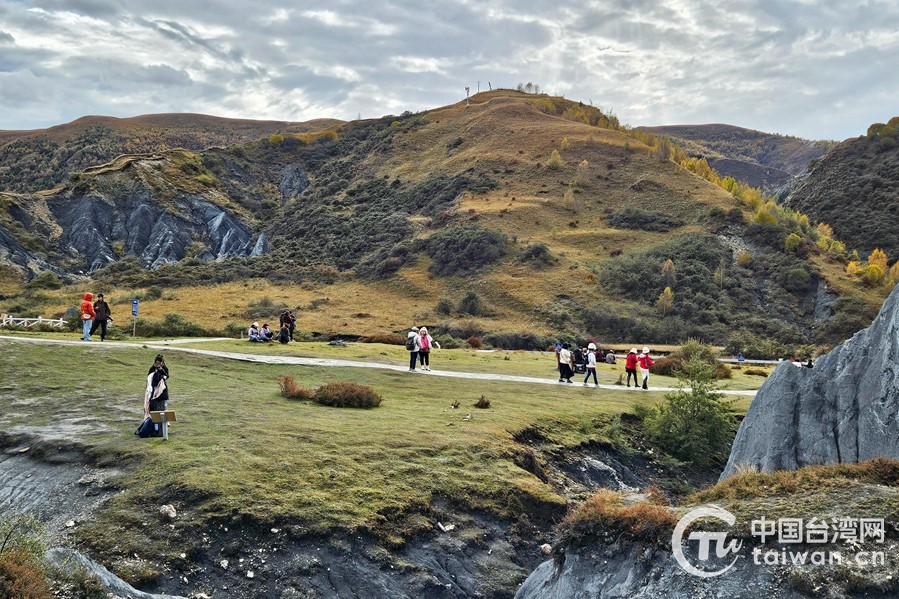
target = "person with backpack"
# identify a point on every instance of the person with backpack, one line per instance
(155, 397)
(591, 364)
(630, 366)
(412, 347)
(157, 392)
(87, 315)
(645, 364)
(103, 314)
(425, 343)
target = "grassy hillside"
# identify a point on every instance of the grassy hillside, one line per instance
(854, 189)
(516, 216)
(43, 158)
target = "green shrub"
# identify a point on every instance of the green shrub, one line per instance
(757, 372)
(444, 307)
(385, 338)
(173, 325)
(537, 254)
(694, 424)
(154, 292)
(526, 341)
(45, 280)
(472, 305)
(347, 395)
(461, 250)
(632, 217)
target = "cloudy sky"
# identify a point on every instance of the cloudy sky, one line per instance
(820, 69)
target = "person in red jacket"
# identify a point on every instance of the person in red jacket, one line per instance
(645, 363)
(630, 366)
(87, 315)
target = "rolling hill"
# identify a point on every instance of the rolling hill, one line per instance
(854, 189)
(43, 158)
(516, 217)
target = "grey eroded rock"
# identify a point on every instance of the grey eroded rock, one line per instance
(844, 410)
(294, 181)
(634, 571)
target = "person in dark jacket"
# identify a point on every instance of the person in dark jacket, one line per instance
(284, 333)
(157, 393)
(103, 314)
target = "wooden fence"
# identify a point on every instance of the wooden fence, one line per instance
(8, 320)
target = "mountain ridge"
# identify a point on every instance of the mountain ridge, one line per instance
(578, 216)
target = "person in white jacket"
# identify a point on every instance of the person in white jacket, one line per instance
(424, 345)
(591, 365)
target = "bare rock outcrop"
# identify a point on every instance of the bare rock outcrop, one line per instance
(844, 410)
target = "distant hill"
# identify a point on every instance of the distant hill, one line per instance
(762, 160)
(855, 188)
(43, 158)
(517, 217)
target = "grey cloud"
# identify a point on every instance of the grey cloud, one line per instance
(98, 9)
(762, 63)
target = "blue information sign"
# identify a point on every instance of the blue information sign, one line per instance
(134, 305)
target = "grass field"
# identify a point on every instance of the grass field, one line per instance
(240, 449)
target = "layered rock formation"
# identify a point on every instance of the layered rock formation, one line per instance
(844, 410)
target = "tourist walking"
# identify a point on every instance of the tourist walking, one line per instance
(591, 364)
(630, 366)
(425, 343)
(103, 314)
(565, 373)
(645, 364)
(87, 315)
(412, 346)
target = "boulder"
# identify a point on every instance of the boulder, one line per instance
(844, 410)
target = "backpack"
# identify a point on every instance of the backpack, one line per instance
(146, 428)
(410, 343)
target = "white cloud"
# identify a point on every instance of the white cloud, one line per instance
(810, 68)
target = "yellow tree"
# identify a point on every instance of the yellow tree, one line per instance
(665, 301)
(894, 272)
(878, 258)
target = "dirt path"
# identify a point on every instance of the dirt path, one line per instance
(298, 361)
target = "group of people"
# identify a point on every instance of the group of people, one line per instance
(584, 361)
(94, 315)
(286, 328)
(419, 344)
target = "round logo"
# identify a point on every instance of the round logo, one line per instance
(706, 540)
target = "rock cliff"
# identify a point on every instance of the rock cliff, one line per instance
(844, 410)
